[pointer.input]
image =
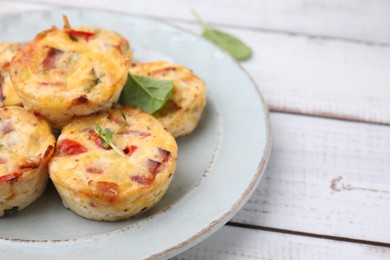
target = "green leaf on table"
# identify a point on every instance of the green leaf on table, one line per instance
(148, 94)
(234, 46)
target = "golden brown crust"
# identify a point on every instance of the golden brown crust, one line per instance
(59, 68)
(182, 112)
(112, 187)
(26, 146)
(8, 96)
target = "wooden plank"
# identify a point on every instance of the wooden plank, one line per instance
(17, 7)
(361, 20)
(238, 243)
(327, 78)
(325, 177)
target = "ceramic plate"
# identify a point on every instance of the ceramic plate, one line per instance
(219, 165)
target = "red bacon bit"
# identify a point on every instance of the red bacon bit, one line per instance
(116, 119)
(145, 134)
(122, 46)
(50, 60)
(3, 161)
(29, 164)
(129, 150)
(9, 177)
(153, 166)
(164, 154)
(141, 180)
(46, 156)
(135, 133)
(37, 115)
(70, 147)
(74, 35)
(108, 190)
(8, 127)
(80, 100)
(54, 84)
(1, 88)
(98, 141)
(163, 71)
(48, 153)
(94, 170)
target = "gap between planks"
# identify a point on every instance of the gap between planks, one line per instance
(305, 234)
(232, 26)
(327, 115)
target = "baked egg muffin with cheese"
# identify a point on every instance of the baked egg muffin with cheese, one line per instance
(101, 182)
(26, 145)
(8, 96)
(181, 114)
(70, 72)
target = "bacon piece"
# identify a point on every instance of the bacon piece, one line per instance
(55, 84)
(80, 100)
(116, 119)
(31, 163)
(107, 190)
(75, 35)
(48, 153)
(153, 166)
(9, 177)
(70, 147)
(144, 134)
(135, 133)
(46, 157)
(98, 140)
(162, 71)
(3, 161)
(1, 87)
(141, 180)
(50, 60)
(122, 46)
(164, 154)
(8, 127)
(129, 150)
(94, 170)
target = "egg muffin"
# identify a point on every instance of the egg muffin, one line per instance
(101, 183)
(8, 96)
(70, 72)
(26, 145)
(181, 114)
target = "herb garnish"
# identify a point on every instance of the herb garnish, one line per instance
(234, 46)
(148, 94)
(107, 136)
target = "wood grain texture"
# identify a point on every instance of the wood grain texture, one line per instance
(237, 243)
(313, 76)
(11, 7)
(326, 78)
(325, 177)
(359, 20)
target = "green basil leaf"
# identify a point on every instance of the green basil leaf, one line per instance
(148, 94)
(107, 137)
(234, 46)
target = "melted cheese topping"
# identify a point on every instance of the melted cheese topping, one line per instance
(85, 173)
(8, 96)
(26, 145)
(63, 73)
(181, 114)
(23, 138)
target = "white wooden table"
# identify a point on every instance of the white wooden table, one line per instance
(323, 67)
